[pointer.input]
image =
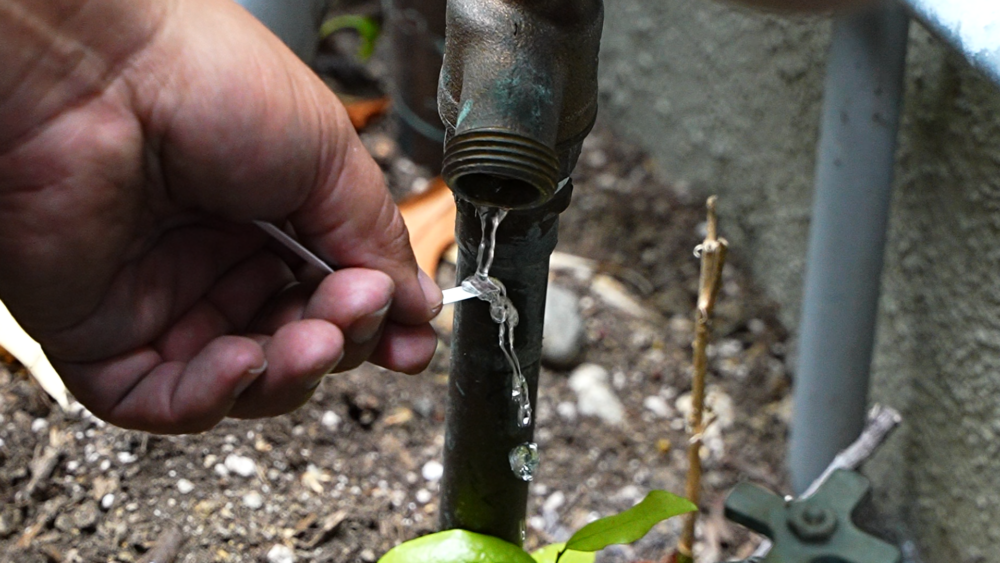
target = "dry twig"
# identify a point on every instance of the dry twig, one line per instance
(42, 466)
(713, 256)
(882, 421)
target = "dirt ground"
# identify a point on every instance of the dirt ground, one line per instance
(353, 472)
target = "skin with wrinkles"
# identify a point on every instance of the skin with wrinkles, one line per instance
(138, 138)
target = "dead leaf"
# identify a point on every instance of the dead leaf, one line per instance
(430, 219)
(363, 112)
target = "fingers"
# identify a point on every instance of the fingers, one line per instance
(406, 349)
(298, 356)
(140, 391)
(357, 301)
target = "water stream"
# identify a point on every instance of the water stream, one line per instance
(523, 458)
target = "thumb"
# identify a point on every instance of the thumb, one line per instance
(350, 220)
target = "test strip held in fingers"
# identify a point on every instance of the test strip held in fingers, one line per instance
(450, 295)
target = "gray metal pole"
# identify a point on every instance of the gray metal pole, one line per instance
(863, 95)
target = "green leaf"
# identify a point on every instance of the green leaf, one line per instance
(456, 546)
(549, 553)
(367, 28)
(630, 525)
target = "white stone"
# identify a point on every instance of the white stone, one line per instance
(184, 486)
(241, 465)
(562, 333)
(432, 470)
(423, 496)
(107, 501)
(330, 420)
(221, 470)
(39, 425)
(555, 501)
(567, 411)
(594, 396)
(127, 457)
(280, 553)
(253, 500)
(658, 406)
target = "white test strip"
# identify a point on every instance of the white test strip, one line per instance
(456, 294)
(294, 245)
(450, 295)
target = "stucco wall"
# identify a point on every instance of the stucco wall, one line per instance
(729, 101)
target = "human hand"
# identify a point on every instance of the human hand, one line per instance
(138, 139)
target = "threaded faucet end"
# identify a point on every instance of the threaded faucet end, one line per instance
(499, 168)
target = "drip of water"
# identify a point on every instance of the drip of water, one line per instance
(502, 309)
(524, 460)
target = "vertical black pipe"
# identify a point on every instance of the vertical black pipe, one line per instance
(480, 492)
(416, 29)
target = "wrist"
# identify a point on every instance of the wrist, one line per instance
(57, 53)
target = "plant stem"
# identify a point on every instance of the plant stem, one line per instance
(713, 256)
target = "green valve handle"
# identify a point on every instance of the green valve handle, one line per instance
(818, 529)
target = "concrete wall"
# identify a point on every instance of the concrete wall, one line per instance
(729, 101)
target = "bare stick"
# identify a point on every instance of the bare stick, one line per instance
(713, 256)
(42, 466)
(882, 421)
(167, 547)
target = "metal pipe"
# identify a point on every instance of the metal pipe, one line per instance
(296, 22)
(854, 171)
(518, 93)
(416, 32)
(479, 489)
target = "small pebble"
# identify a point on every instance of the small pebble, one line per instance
(210, 460)
(39, 425)
(280, 554)
(107, 501)
(432, 470)
(127, 457)
(253, 500)
(658, 406)
(330, 420)
(554, 502)
(184, 486)
(221, 470)
(567, 411)
(241, 465)
(563, 331)
(423, 496)
(594, 396)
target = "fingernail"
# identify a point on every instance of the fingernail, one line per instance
(365, 328)
(253, 374)
(311, 385)
(432, 293)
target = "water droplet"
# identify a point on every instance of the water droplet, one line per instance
(524, 460)
(502, 309)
